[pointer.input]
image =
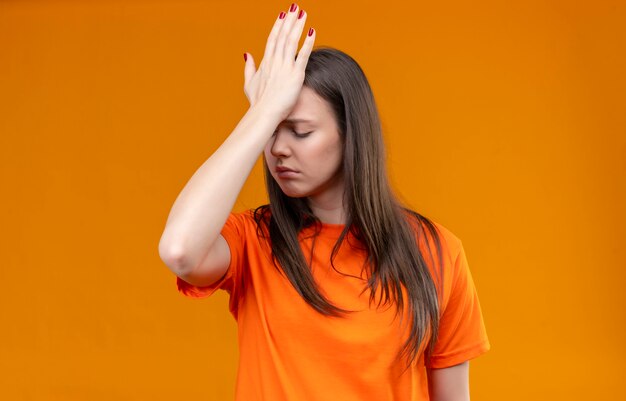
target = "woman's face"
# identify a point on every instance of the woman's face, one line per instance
(305, 153)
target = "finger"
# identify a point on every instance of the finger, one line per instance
(285, 30)
(305, 50)
(249, 68)
(293, 39)
(271, 39)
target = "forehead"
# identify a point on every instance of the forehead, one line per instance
(309, 108)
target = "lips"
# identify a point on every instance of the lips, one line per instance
(281, 169)
(286, 172)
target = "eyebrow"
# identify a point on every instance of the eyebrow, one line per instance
(297, 120)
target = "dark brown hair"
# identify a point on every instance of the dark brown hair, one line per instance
(387, 230)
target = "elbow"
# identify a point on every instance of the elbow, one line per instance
(174, 258)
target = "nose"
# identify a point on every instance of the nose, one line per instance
(279, 145)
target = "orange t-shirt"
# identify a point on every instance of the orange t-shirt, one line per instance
(289, 351)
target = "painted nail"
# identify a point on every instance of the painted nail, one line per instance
(300, 14)
(245, 57)
(293, 7)
(311, 31)
(282, 15)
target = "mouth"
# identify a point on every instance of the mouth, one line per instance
(281, 169)
(285, 172)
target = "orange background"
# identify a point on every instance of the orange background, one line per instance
(504, 122)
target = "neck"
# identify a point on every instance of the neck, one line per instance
(329, 214)
(328, 206)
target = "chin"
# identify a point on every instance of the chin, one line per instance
(292, 192)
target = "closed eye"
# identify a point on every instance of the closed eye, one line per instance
(301, 135)
(297, 134)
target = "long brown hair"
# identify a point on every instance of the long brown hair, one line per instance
(386, 229)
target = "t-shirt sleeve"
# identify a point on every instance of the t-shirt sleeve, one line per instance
(462, 334)
(234, 234)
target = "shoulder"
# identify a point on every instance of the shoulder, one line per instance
(248, 222)
(434, 236)
(452, 241)
(247, 216)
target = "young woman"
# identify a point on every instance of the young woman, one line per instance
(339, 292)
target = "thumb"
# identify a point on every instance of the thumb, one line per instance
(250, 68)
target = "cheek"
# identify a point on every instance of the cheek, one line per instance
(334, 154)
(323, 161)
(325, 150)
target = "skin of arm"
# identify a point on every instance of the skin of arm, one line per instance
(202, 207)
(191, 245)
(449, 384)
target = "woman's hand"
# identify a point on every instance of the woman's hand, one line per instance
(277, 83)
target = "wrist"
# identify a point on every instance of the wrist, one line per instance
(258, 122)
(266, 113)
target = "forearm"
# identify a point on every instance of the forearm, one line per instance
(202, 207)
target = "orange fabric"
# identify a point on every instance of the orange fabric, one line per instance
(288, 351)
